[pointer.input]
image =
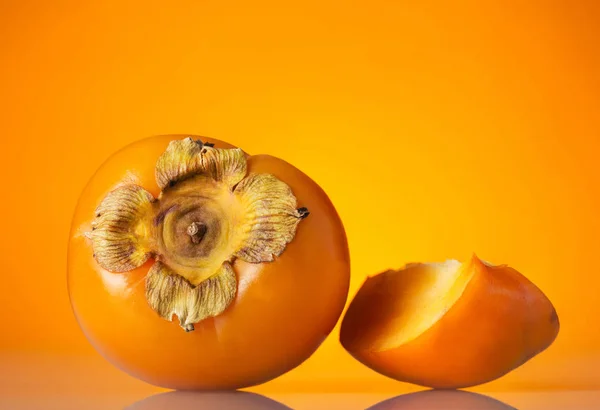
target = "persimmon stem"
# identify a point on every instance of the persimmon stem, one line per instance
(196, 231)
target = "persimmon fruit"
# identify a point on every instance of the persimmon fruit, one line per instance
(448, 325)
(194, 265)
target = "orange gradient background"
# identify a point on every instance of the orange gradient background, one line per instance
(438, 129)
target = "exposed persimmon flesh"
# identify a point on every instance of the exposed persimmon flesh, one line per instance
(421, 294)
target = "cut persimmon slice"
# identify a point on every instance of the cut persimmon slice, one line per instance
(448, 325)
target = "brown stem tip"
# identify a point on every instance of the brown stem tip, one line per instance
(303, 212)
(196, 231)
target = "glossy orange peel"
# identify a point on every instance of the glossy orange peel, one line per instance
(448, 325)
(215, 240)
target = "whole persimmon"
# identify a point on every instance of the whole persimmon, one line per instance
(448, 325)
(193, 265)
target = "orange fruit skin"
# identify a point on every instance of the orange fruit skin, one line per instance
(500, 321)
(281, 314)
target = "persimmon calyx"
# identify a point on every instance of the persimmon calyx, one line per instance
(209, 212)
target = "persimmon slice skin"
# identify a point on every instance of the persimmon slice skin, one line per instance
(448, 325)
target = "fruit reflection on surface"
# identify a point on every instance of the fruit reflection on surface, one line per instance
(441, 400)
(448, 325)
(234, 400)
(168, 215)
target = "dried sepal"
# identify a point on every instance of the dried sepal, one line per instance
(180, 159)
(270, 218)
(224, 165)
(170, 294)
(186, 158)
(120, 233)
